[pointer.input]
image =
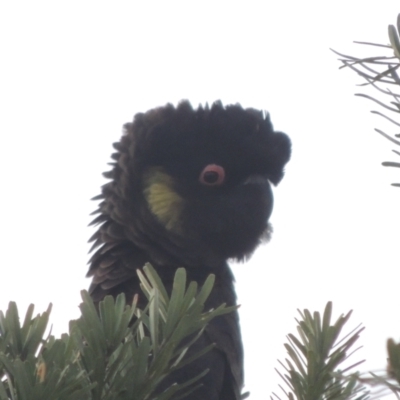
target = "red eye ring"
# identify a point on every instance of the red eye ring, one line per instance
(212, 175)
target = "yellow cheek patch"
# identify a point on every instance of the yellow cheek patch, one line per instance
(163, 201)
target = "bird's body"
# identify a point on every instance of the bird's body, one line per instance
(190, 188)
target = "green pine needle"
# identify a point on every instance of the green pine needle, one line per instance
(117, 352)
(378, 71)
(312, 371)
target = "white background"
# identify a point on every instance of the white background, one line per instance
(71, 73)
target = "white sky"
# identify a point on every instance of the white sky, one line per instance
(72, 73)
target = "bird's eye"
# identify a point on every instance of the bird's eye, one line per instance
(212, 175)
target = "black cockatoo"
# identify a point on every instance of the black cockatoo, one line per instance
(190, 188)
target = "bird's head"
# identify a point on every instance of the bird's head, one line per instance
(194, 186)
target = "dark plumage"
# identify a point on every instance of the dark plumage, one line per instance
(190, 188)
